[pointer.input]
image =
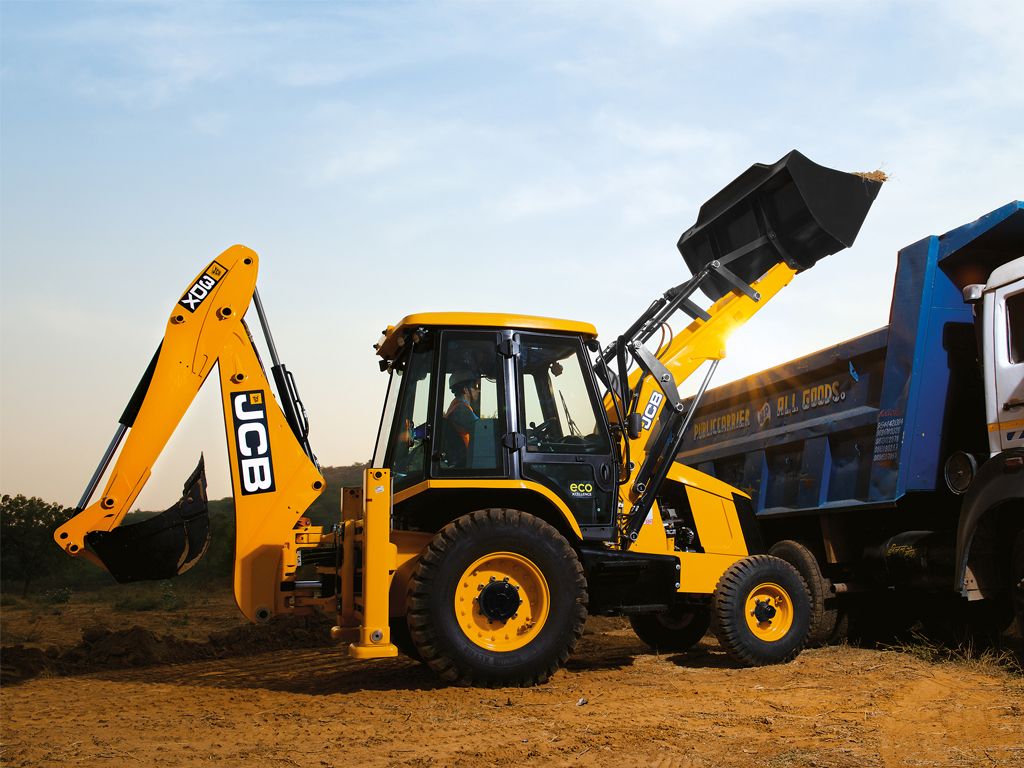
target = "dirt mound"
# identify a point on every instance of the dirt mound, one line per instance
(103, 648)
(873, 175)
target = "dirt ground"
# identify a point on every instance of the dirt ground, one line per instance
(229, 701)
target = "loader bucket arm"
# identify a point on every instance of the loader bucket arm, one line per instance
(747, 244)
(274, 475)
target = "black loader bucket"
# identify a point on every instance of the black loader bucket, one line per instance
(794, 211)
(163, 546)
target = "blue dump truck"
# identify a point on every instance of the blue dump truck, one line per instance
(889, 469)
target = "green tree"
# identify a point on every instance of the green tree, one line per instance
(27, 549)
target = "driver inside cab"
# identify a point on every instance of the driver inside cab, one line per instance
(462, 414)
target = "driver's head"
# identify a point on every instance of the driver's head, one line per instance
(466, 384)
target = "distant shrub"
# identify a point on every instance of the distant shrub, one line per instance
(58, 596)
(139, 601)
(164, 597)
(170, 600)
(27, 551)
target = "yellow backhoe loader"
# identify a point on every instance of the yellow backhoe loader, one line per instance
(523, 476)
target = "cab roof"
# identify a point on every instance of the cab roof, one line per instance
(388, 346)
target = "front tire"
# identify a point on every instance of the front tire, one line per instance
(498, 599)
(761, 611)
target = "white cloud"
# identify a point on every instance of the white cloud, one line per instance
(210, 123)
(547, 198)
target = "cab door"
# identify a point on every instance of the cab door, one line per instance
(567, 446)
(471, 422)
(1006, 412)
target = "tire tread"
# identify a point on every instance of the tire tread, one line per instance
(425, 636)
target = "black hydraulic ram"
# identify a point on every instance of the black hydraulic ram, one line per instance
(291, 405)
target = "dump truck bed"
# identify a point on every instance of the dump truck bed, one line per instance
(870, 420)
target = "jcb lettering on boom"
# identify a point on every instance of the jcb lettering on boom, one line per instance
(652, 409)
(255, 468)
(201, 288)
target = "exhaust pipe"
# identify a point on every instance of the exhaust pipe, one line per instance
(163, 546)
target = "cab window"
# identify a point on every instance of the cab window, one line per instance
(472, 406)
(1015, 326)
(411, 379)
(559, 410)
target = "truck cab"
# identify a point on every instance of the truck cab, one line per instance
(1000, 315)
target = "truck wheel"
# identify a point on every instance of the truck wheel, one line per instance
(1017, 581)
(761, 611)
(498, 599)
(823, 620)
(672, 631)
(957, 623)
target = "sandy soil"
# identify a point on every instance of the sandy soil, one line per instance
(616, 704)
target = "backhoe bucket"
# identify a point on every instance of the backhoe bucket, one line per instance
(794, 211)
(163, 546)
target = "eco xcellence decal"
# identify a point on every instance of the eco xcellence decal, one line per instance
(581, 490)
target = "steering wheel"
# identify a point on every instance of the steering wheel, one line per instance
(541, 433)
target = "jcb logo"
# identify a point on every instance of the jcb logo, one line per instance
(255, 468)
(647, 418)
(201, 288)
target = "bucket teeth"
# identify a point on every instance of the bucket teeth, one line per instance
(162, 546)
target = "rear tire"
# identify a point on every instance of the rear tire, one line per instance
(823, 620)
(761, 611)
(498, 599)
(1017, 581)
(673, 631)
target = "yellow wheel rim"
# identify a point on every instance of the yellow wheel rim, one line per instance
(502, 601)
(769, 612)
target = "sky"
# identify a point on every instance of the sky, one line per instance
(398, 157)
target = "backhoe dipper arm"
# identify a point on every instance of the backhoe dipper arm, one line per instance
(273, 479)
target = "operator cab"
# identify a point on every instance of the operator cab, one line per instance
(498, 401)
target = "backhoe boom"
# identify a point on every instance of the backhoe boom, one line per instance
(273, 473)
